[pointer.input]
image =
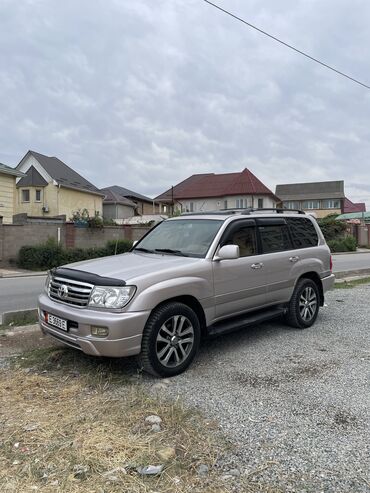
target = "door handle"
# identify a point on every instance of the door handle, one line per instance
(294, 259)
(257, 266)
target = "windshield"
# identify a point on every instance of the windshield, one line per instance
(185, 237)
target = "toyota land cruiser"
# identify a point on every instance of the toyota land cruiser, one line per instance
(190, 276)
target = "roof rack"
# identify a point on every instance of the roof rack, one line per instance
(247, 211)
(212, 213)
(275, 209)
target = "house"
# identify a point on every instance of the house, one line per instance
(211, 192)
(121, 203)
(351, 207)
(51, 188)
(8, 176)
(321, 198)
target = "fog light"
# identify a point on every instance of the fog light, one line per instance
(99, 331)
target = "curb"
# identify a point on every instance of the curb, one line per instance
(23, 274)
(351, 273)
(19, 317)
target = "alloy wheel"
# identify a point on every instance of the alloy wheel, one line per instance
(307, 304)
(174, 341)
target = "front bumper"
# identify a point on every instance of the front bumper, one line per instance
(125, 329)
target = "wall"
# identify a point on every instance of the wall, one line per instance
(117, 211)
(71, 200)
(60, 201)
(214, 204)
(7, 197)
(14, 236)
(146, 207)
(323, 212)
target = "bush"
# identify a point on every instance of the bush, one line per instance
(331, 228)
(347, 244)
(49, 255)
(114, 247)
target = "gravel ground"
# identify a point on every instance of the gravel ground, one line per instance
(295, 402)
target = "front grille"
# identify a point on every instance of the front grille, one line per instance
(69, 291)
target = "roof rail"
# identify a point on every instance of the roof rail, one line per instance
(211, 213)
(247, 211)
(275, 209)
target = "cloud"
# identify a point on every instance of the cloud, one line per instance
(143, 94)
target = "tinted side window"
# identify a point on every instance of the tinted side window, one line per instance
(245, 238)
(303, 232)
(274, 238)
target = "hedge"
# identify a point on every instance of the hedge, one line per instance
(331, 228)
(346, 244)
(48, 255)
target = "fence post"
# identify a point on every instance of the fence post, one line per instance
(70, 235)
(1, 238)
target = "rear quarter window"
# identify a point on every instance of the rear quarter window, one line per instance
(274, 238)
(303, 232)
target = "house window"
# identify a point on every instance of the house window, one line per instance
(331, 204)
(38, 196)
(225, 204)
(311, 204)
(291, 205)
(25, 195)
(260, 203)
(191, 206)
(240, 203)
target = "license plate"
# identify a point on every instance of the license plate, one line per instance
(60, 323)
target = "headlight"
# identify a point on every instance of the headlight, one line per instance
(47, 281)
(110, 297)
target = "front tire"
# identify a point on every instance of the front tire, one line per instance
(304, 304)
(171, 340)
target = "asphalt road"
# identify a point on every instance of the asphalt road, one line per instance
(20, 293)
(351, 261)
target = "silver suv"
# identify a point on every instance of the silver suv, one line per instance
(190, 276)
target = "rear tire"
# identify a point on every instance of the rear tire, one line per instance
(304, 304)
(170, 341)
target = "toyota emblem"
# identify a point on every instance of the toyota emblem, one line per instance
(63, 291)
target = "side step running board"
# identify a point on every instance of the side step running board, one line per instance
(245, 321)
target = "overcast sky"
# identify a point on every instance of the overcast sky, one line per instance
(144, 93)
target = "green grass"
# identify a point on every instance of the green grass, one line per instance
(352, 284)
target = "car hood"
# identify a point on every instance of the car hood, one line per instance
(131, 265)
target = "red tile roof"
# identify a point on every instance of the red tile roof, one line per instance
(349, 206)
(212, 185)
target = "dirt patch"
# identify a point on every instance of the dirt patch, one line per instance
(19, 339)
(298, 371)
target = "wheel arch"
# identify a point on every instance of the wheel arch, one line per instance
(192, 303)
(316, 279)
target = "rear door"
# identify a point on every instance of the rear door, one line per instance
(239, 284)
(278, 257)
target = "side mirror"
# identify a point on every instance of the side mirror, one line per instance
(228, 252)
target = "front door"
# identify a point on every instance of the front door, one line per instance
(239, 284)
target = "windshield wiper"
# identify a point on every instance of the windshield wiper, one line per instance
(141, 249)
(169, 250)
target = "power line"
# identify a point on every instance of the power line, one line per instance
(287, 44)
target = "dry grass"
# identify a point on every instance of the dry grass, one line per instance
(62, 429)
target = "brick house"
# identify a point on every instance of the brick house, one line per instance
(212, 192)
